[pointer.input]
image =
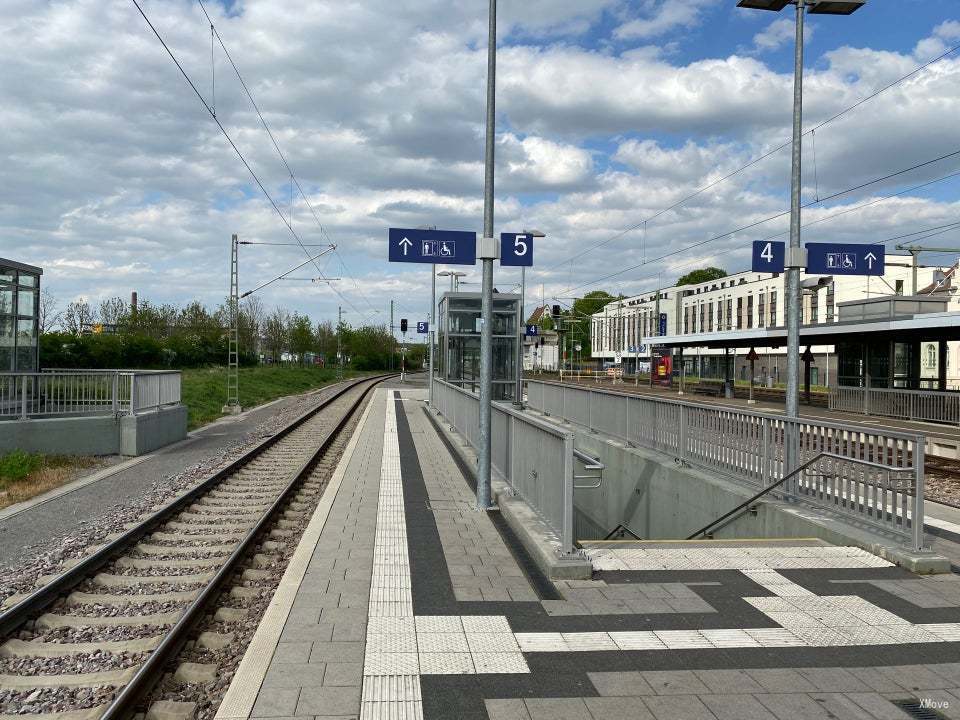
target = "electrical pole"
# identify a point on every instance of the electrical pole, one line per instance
(233, 338)
(488, 252)
(339, 342)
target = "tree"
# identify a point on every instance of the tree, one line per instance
(702, 275)
(77, 316)
(275, 333)
(300, 334)
(325, 340)
(250, 321)
(580, 320)
(49, 315)
(113, 311)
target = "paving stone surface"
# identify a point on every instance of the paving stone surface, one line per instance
(416, 605)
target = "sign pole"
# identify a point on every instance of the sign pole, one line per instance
(433, 312)
(518, 397)
(792, 308)
(486, 303)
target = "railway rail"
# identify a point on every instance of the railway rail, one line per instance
(96, 640)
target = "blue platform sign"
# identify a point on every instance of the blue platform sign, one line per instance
(532, 330)
(663, 324)
(443, 247)
(516, 250)
(845, 259)
(768, 256)
(423, 327)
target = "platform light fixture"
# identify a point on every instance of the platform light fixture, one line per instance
(795, 255)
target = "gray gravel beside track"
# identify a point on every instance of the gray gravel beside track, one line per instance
(30, 531)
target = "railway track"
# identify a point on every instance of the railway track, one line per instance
(92, 643)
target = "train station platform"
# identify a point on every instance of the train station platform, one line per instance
(404, 601)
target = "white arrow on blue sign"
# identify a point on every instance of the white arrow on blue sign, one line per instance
(845, 259)
(516, 250)
(446, 247)
(423, 327)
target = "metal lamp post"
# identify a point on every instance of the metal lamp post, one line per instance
(795, 259)
(521, 321)
(489, 251)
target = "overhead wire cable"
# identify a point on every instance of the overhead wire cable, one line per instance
(283, 157)
(756, 160)
(765, 220)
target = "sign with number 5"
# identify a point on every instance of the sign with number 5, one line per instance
(516, 250)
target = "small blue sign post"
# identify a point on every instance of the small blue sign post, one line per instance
(516, 250)
(423, 328)
(441, 247)
(845, 259)
(532, 330)
(768, 256)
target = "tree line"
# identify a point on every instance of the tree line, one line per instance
(115, 333)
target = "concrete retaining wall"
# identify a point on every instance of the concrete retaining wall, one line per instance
(659, 499)
(126, 435)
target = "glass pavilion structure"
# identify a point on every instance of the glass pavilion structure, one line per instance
(19, 317)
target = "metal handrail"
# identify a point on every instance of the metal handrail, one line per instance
(744, 505)
(589, 463)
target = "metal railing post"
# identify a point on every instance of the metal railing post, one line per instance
(566, 538)
(115, 390)
(682, 440)
(866, 401)
(132, 385)
(23, 398)
(919, 462)
(765, 459)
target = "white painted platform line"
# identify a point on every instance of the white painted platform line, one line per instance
(391, 669)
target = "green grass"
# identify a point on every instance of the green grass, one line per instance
(25, 475)
(17, 465)
(204, 390)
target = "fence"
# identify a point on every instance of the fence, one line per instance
(78, 393)
(535, 458)
(931, 405)
(871, 475)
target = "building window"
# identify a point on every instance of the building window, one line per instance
(749, 311)
(719, 315)
(761, 315)
(686, 319)
(729, 314)
(773, 308)
(831, 298)
(898, 284)
(814, 307)
(710, 317)
(739, 313)
(703, 312)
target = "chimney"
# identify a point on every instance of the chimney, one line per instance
(133, 305)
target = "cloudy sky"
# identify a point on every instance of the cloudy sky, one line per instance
(115, 178)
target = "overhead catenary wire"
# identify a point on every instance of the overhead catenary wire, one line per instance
(293, 178)
(755, 161)
(223, 130)
(763, 221)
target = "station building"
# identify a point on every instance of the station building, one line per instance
(748, 302)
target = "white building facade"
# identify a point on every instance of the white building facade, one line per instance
(749, 300)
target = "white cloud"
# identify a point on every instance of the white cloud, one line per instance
(663, 17)
(780, 32)
(115, 179)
